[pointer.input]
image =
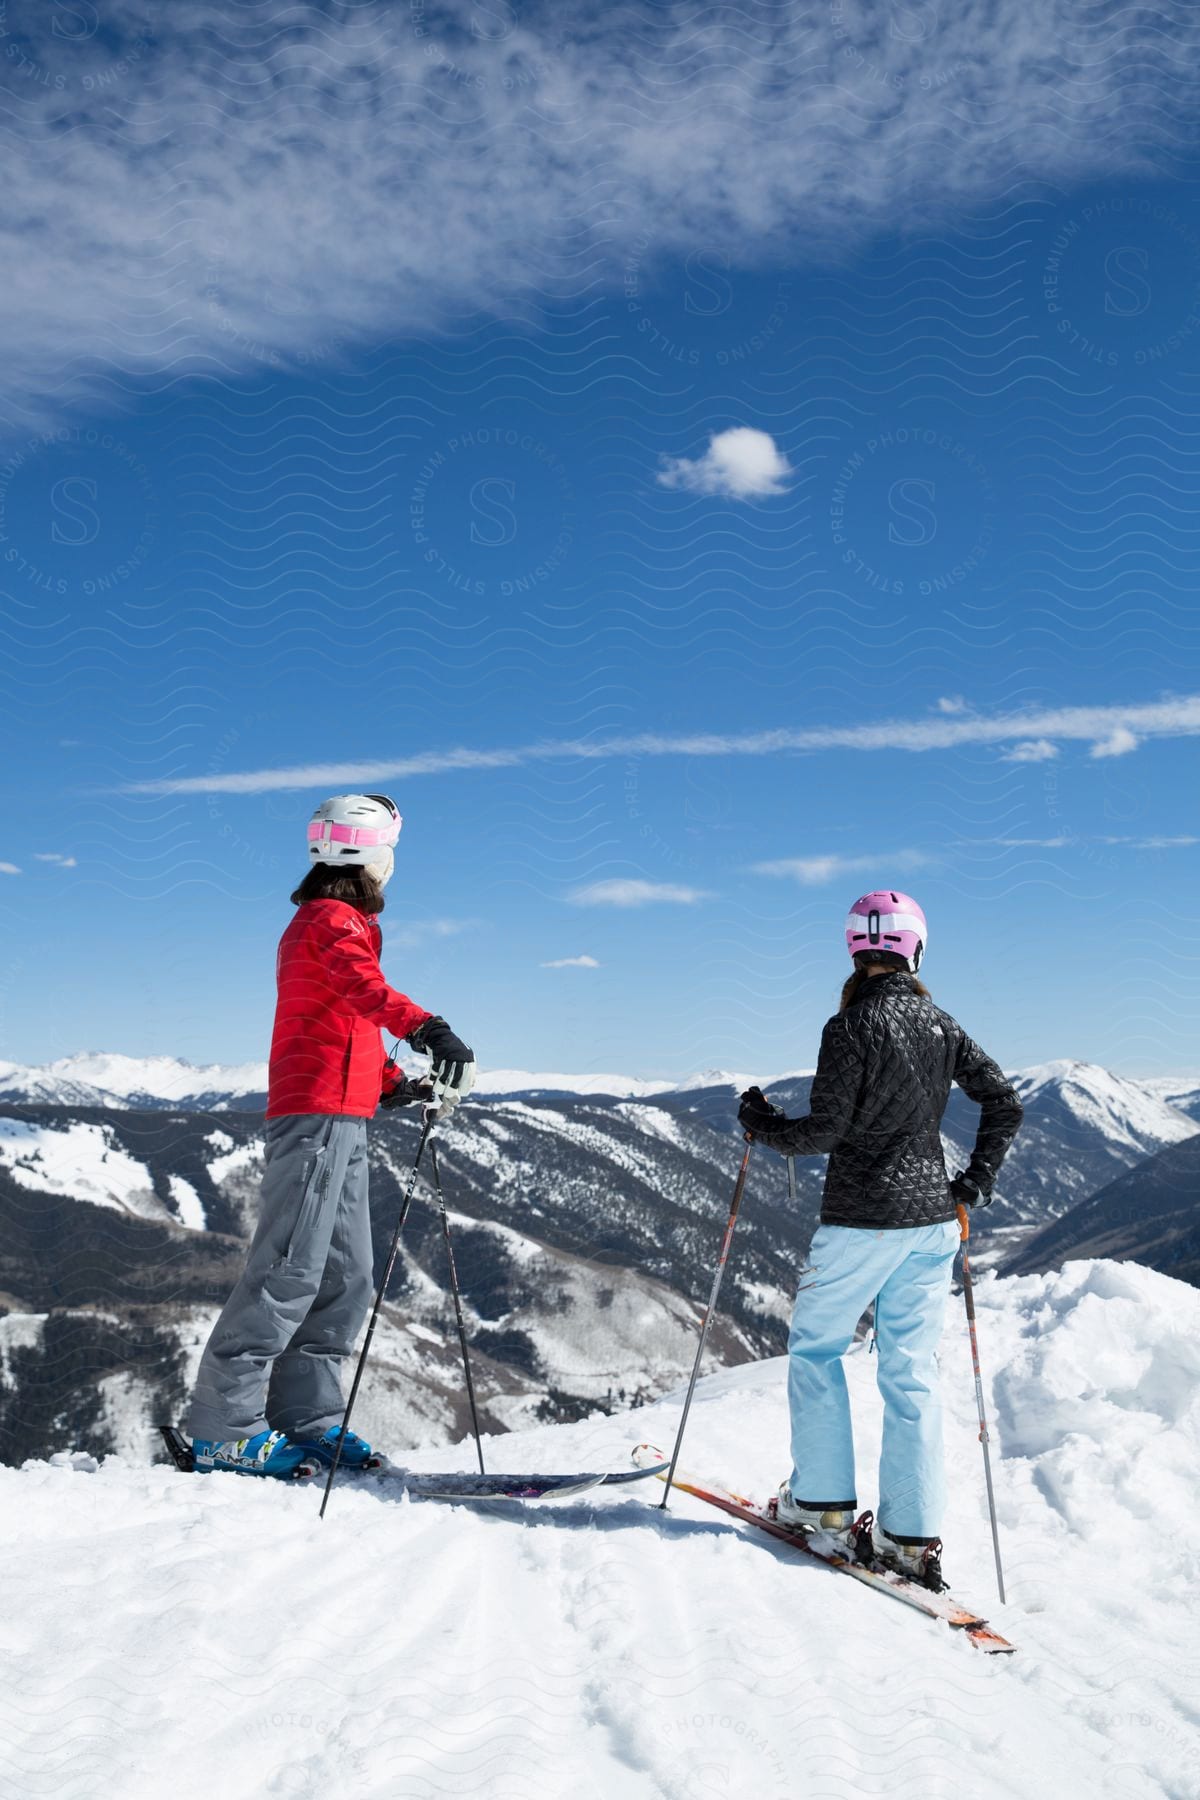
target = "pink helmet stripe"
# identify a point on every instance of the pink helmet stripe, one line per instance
(358, 836)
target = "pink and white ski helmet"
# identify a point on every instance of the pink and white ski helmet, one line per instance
(886, 920)
(355, 829)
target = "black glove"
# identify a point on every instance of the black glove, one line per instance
(757, 1115)
(451, 1062)
(964, 1192)
(400, 1089)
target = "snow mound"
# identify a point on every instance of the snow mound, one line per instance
(163, 1628)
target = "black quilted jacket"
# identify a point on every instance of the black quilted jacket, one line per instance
(881, 1086)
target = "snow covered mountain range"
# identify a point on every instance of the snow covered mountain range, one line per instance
(586, 1223)
(99, 1078)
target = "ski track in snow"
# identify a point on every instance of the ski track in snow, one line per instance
(165, 1634)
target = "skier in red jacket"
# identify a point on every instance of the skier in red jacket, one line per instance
(268, 1394)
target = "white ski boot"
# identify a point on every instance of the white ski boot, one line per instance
(918, 1559)
(833, 1524)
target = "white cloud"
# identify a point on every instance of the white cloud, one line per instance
(51, 856)
(952, 704)
(410, 934)
(740, 464)
(1154, 843)
(9, 869)
(1118, 743)
(634, 893)
(572, 962)
(247, 190)
(1035, 750)
(1175, 717)
(813, 871)
(1068, 843)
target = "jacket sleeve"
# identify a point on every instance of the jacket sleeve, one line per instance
(344, 941)
(981, 1079)
(833, 1098)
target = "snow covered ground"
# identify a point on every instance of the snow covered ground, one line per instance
(175, 1635)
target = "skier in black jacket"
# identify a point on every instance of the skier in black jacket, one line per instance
(888, 1234)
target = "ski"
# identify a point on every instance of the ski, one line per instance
(909, 1593)
(437, 1486)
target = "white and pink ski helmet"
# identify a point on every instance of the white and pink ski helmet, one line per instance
(887, 920)
(355, 829)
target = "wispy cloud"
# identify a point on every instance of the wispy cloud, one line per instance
(411, 934)
(741, 464)
(1154, 843)
(1077, 838)
(807, 125)
(51, 856)
(1174, 717)
(7, 868)
(813, 871)
(635, 893)
(572, 962)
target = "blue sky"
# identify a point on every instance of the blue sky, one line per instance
(395, 453)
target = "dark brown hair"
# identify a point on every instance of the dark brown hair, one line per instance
(869, 959)
(354, 884)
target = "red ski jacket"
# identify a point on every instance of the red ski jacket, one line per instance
(326, 1050)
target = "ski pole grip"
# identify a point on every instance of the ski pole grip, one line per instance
(964, 1223)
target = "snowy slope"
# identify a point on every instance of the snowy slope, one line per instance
(1179, 1091)
(1151, 1215)
(166, 1634)
(29, 1086)
(1130, 1114)
(82, 1161)
(95, 1078)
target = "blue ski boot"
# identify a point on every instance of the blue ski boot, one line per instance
(267, 1453)
(356, 1452)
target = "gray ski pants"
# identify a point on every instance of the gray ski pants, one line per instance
(304, 1293)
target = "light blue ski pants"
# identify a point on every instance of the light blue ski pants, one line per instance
(907, 1274)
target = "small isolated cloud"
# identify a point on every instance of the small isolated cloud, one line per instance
(572, 962)
(813, 871)
(951, 703)
(740, 464)
(634, 893)
(1033, 750)
(1118, 743)
(51, 856)
(9, 869)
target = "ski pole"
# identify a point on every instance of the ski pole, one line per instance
(458, 1311)
(964, 1226)
(791, 1163)
(739, 1189)
(426, 1128)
